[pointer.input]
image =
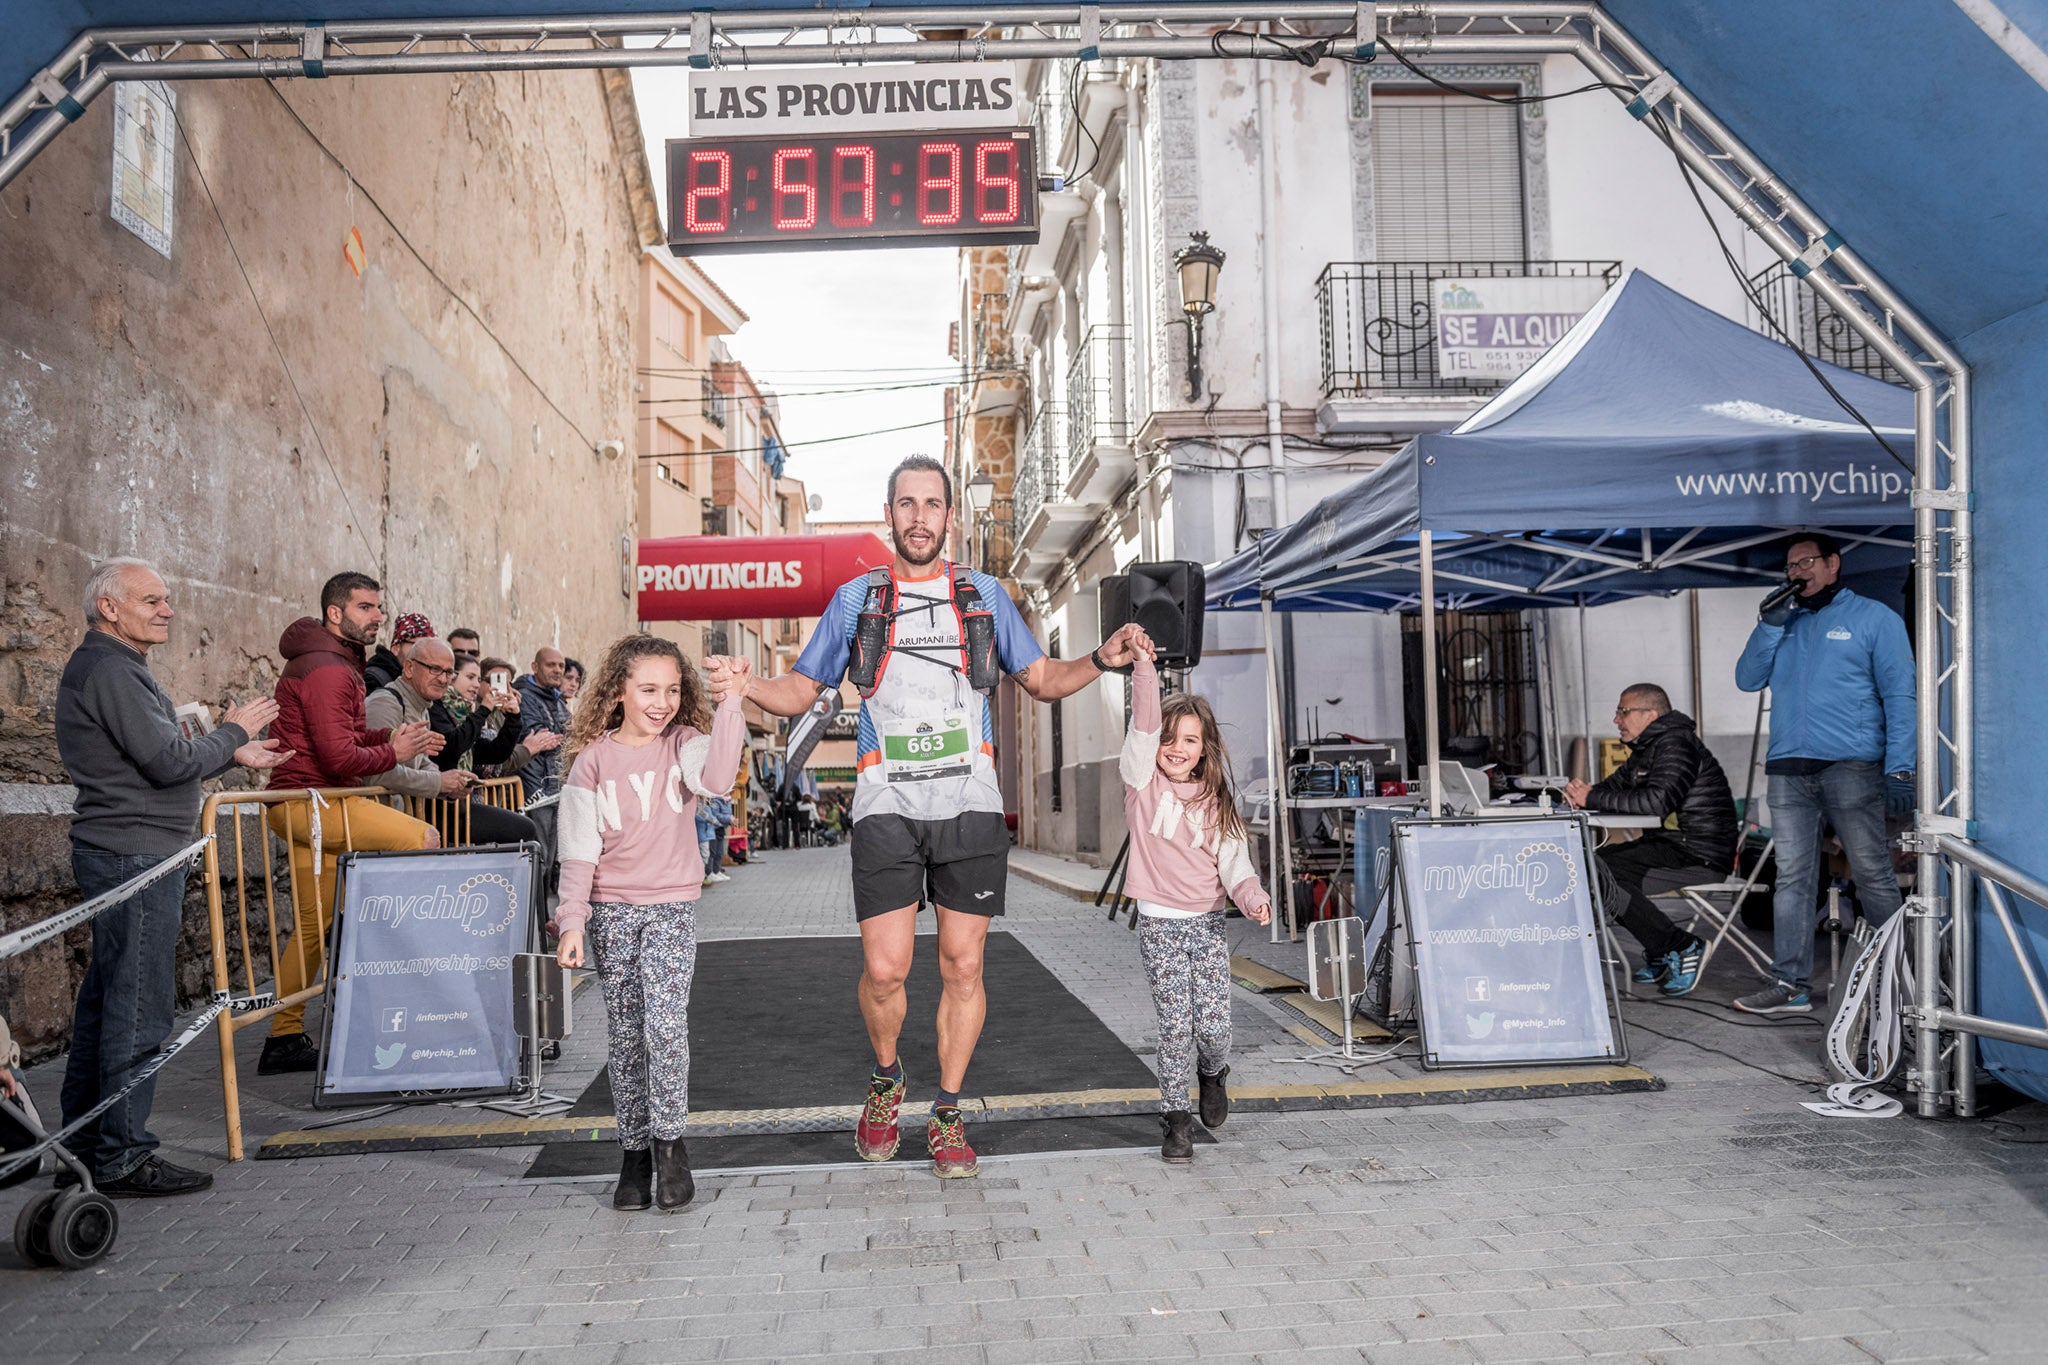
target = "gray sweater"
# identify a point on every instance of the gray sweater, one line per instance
(387, 708)
(137, 777)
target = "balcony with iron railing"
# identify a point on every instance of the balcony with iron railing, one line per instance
(716, 402)
(1813, 325)
(1041, 463)
(1048, 523)
(1100, 459)
(1380, 325)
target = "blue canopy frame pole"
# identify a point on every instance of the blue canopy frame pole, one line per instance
(1278, 860)
(1432, 747)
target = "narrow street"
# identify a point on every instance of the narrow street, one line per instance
(1711, 1220)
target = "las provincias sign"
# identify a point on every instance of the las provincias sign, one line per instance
(840, 99)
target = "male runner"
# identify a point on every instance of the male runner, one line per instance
(927, 813)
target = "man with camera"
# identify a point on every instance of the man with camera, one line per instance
(1843, 737)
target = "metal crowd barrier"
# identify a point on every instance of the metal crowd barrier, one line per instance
(234, 858)
(303, 815)
(450, 815)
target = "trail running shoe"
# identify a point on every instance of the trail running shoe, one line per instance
(1651, 972)
(876, 1135)
(946, 1136)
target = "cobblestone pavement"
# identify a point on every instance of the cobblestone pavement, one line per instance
(1714, 1221)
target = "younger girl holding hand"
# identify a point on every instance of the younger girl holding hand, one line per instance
(1188, 857)
(639, 761)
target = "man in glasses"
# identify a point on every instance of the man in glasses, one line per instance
(1669, 774)
(1843, 736)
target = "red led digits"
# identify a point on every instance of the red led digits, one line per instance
(938, 193)
(997, 197)
(717, 190)
(803, 190)
(853, 186)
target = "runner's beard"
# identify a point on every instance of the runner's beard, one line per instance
(908, 556)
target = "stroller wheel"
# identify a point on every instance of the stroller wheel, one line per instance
(82, 1228)
(32, 1229)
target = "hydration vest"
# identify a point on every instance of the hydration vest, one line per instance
(874, 638)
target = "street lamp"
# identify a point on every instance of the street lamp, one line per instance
(1198, 265)
(980, 494)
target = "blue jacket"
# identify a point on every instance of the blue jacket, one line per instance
(1841, 682)
(541, 708)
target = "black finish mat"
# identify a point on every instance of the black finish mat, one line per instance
(774, 1025)
(1028, 1138)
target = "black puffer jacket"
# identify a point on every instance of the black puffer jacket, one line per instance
(1669, 770)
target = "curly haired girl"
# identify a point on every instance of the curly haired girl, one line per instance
(631, 873)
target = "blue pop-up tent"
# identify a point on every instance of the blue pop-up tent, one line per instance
(1657, 447)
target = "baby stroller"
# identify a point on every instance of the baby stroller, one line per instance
(73, 1226)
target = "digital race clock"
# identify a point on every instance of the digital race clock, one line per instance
(889, 189)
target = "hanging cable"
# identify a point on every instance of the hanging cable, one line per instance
(1755, 296)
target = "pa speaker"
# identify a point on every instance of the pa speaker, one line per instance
(1166, 600)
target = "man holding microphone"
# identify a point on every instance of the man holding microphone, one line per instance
(1843, 736)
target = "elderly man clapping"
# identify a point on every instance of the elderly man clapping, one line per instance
(138, 803)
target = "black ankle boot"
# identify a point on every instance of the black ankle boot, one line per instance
(673, 1184)
(636, 1181)
(1179, 1143)
(1215, 1100)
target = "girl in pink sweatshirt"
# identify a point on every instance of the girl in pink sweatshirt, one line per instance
(1188, 859)
(631, 873)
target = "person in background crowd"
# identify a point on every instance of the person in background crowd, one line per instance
(429, 669)
(1671, 775)
(495, 675)
(542, 707)
(466, 643)
(572, 679)
(386, 664)
(737, 846)
(461, 720)
(1843, 737)
(138, 803)
(709, 842)
(320, 718)
(832, 823)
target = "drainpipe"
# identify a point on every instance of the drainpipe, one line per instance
(1269, 283)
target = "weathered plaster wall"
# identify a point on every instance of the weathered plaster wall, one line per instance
(452, 394)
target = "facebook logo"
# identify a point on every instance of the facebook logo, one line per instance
(1478, 989)
(394, 1021)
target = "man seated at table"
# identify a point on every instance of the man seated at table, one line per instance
(1671, 775)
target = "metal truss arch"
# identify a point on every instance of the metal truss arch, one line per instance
(1418, 30)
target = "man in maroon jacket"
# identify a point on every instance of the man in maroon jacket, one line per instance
(320, 718)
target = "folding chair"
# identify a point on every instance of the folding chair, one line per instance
(1718, 905)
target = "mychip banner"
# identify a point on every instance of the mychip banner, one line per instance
(1505, 940)
(419, 996)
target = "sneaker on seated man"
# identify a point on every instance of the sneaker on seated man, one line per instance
(1669, 774)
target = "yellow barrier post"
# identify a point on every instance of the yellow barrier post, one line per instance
(286, 804)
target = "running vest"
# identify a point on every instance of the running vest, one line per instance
(874, 636)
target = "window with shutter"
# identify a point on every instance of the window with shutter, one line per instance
(1447, 178)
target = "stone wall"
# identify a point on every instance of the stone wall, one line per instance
(254, 415)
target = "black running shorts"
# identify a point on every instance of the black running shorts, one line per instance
(962, 863)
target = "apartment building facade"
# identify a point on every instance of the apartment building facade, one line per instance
(1108, 425)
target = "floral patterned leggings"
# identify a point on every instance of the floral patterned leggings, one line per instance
(1188, 963)
(646, 956)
